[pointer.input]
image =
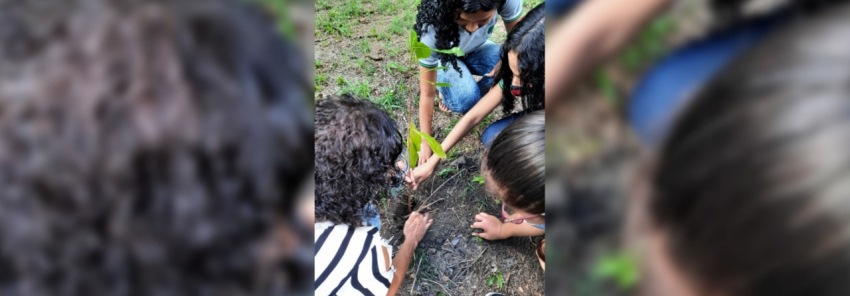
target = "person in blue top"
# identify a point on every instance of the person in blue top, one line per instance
(466, 24)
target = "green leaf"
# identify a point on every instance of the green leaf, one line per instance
(479, 179)
(499, 276)
(413, 38)
(490, 280)
(435, 146)
(454, 51)
(420, 50)
(620, 267)
(440, 84)
(413, 145)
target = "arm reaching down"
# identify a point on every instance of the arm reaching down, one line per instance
(472, 118)
(414, 230)
(595, 31)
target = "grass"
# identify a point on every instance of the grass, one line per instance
(423, 263)
(478, 179)
(389, 100)
(448, 129)
(364, 46)
(359, 88)
(446, 171)
(393, 66)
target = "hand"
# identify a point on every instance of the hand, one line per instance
(419, 174)
(495, 69)
(491, 226)
(416, 227)
(424, 153)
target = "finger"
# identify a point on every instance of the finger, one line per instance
(475, 234)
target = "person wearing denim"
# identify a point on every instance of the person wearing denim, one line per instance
(464, 25)
(464, 91)
(518, 87)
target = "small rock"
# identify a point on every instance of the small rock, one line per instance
(460, 161)
(455, 241)
(520, 290)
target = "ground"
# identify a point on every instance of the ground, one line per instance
(361, 49)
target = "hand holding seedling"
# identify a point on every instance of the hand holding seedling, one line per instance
(421, 173)
(491, 226)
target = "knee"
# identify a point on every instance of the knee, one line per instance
(460, 100)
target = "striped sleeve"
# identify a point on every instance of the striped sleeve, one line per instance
(345, 261)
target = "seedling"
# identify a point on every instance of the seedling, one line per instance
(495, 278)
(418, 50)
(478, 179)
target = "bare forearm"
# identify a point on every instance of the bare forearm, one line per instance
(401, 262)
(594, 32)
(524, 229)
(426, 98)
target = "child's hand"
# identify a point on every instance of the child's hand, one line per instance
(418, 175)
(416, 227)
(424, 154)
(491, 225)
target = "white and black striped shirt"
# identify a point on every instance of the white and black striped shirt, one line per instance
(351, 261)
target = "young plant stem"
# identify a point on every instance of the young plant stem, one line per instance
(410, 117)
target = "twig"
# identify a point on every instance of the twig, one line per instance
(445, 289)
(408, 215)
(416, 277)
(438, 189)
(433, 202)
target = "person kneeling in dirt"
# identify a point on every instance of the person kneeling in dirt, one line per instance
(464, 24)
(514, 172)
(520, 83)
(356, 146)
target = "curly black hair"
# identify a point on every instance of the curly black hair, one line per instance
(442, 16)
(356, 145)
(527, 39)
(146, 148)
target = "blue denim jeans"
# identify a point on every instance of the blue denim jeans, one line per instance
(673, 81)
(465, 92)
(497, 127)
(371, 216)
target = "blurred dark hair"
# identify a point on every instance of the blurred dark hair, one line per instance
(528, 40)
(356, 146)
(146, 147)
(442, 15)
(516, 163)
(751, 187)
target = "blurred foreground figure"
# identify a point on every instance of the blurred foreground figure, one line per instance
(148, 148)
(751, 194)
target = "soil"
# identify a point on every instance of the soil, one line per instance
(449, 260)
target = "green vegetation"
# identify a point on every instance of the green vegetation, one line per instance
(495, 278)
